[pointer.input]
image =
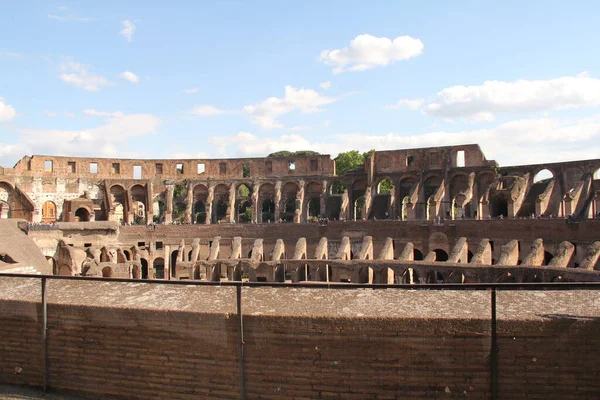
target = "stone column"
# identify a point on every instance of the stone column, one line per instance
(189, 203)
(298, 212)
(128, 214)
(366, 208)
(232, 208)
(323, 198)
(169, 205)
(392, 209)
(149, 203)
(344, 206)
(167, 258)
(208, 207)
(277, 200)
(254, 200)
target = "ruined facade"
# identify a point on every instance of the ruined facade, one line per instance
(454, 182)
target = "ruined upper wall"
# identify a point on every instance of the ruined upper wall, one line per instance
(429, 158)
(117, 168)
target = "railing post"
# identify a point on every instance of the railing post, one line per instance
(241, 328)
(494, 349)
(44, 336)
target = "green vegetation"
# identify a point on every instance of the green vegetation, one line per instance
(285, 153)
(179, 197)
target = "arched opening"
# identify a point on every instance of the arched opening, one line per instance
(144, 268)
(543, 175)
(469, 256)
(289, 210)
(200, 212)
(138, 204)
(159, 268)
(221, 203)
(117, 198)
(440, 255)
(358, 208)
(4, 209)
(82, 215)
(158, 210)
(498, 207)
(174, 256)
(597, 174)
(107, 272)
(268, 210)
(48, 211)
(118, 215)
(221, 210)
(417, 255)
(127, 255)
(547, 257)
(244, 212)
(314, 207)
(385, 186)
(337, 188)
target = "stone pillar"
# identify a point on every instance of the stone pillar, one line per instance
(344, 206)
(167, 258)
(231, 209)
(149, 203)
(392, 209)
(254, 201)
(323, 198)
(366, 208)
(189, 203)
(169, 205)
(300, 206)
(277, 200)
(128, 213)
(209, 204)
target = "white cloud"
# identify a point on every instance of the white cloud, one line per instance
(130, 76)
(110, 139)
(53, 114)
(6, 55)
(206, 110)
(484, 102)
(97, 113)
(405, 103)
(190, 91)
(367, 51)
(325, 85)
(265, 113)
(77, 74)
(7, 112)
(128, 30)
(544, 139)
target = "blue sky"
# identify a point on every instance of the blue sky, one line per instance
(212, 79)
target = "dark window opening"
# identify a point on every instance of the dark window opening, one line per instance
(71, 167)
(222, 168)
(159, 245)
(159, 169)
(179, 169)
(268, 167)
(410, 160)
(116, 168)
(314, 165)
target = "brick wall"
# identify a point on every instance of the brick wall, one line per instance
(140, 341)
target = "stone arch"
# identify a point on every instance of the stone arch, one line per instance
(144, 270)
(82, 214)
(543, 174)
(159, 209)
(243, 208)
(266, 196)
(382, 201)
(431, 183)
(440, 255)
(417, 254)
(384, 186)
(200, 195)
(337, 187)
(498, 207)
(48, 211)
(4, 209)
(220, 203)
(596, 174)
(159, 268)
(359, 188)
(117, 199)
(6, 199)
(289, 191)
(139, 204)
(313, 191)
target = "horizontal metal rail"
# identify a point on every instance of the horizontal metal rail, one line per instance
(330, 285)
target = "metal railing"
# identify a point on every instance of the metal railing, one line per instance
(492, 287)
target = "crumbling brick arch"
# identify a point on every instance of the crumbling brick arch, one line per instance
(288, 206)
(266, 202)
(312, 199)
(406, 187)
(221, 206)
(357, 198)
(83, 214)
(542, 173)
(431, 184)
(139, 203)
(200, 196)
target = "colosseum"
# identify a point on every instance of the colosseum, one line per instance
(424, 273)
(448, 209)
